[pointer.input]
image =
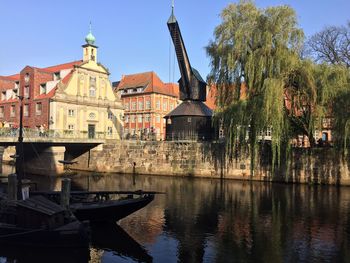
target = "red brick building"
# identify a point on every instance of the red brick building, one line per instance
(37, 85)
(146, 101)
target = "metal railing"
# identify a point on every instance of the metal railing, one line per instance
(59, 134)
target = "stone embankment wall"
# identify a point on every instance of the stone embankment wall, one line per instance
(208, 160)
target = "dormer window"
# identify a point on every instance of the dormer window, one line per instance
(139, 89)
(42, 88)
(56, 76)
(14, 93)
(3, 95)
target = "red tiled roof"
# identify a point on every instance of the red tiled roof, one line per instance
(211, 97)
(53, 91)
(67, 78)
(150, 82)
(47, 95)
(12, 77)
(63, 66)
(173, 88)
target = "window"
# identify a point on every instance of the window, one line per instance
(110, 115)
(133, 106)
(2, 110)
(140, 118)
(13, 111)
(16, 84)
(92, 91)
(189, 119)
(56, 76)
(165, 106)
(140, 105)
(26, 92)
(26, 77)
(92, 115)
(92, 81)
(158, 119)
(109, 130)
(147, 118)
(38, 108)
(42, 88)
(70, 126)
(71, 113)
(14, 93)
(129, 90)
(127, 106)
(148, 104)
(132, 118)
(3, 95)
(26, 110)
(158, 105)
(139, 89)
(171, 106)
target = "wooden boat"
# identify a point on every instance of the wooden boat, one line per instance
(101, 206)
(35, 221)
(39, 222)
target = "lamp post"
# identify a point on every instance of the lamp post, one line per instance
(19, 151)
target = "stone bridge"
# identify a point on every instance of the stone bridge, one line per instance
(42, 151)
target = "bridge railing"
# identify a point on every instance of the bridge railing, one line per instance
(59, 134)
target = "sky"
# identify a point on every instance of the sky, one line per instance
(132, 35)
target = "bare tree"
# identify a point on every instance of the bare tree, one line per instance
(331, 45)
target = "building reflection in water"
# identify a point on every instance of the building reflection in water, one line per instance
(214, 221)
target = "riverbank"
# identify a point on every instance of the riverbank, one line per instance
(192, 159)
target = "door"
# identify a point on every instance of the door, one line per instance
(91, 131)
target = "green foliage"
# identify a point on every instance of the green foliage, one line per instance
(263, 82)
(260, 47)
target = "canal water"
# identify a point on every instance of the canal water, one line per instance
(203, 220)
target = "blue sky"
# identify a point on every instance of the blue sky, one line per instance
(132, 35)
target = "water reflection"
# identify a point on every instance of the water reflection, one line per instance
(111, 237)
(202, 220)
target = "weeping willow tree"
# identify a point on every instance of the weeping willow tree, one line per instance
(333, 101)
(255, 55)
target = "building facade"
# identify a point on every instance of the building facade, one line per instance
(74, 98)
(146, 100)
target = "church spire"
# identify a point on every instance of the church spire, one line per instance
(90, 39)
(172, 18)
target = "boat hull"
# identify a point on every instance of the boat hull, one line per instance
(111, 210)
